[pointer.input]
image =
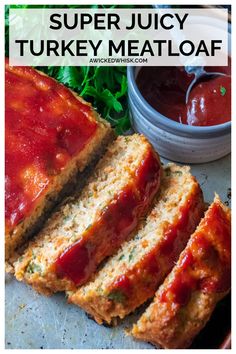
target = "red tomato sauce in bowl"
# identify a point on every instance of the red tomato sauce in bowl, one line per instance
(209, 103)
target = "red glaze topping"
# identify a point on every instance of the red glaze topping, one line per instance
(124, 285)
(205, 263)
(45, 127)
(121, 290)
(171, 233)
(75, 262)
(153, 265)
(114, 226)
(145, 277)
(209, 102)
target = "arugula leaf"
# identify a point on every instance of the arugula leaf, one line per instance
(123, 88)
(69, 76)
(106, 97)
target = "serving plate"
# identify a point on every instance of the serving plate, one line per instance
(33, 321)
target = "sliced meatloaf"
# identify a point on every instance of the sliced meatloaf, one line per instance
(132, 276)
(186, 300)
(92, 226)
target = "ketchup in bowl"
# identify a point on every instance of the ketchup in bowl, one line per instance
(209, 103)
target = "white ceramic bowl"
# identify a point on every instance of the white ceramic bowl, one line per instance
(172, 140)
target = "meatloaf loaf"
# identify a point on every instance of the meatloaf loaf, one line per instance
(50, 135)
(186, 300)
(91, 227)
(132, 276)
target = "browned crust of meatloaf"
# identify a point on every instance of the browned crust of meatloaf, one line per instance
(170, 329)
(60, 187)
(174, 326)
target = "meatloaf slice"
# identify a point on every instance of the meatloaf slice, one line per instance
(132, 276)
(186, 300)
(51, 135)
(91, 227)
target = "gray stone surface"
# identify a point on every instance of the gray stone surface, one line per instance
(34, 321)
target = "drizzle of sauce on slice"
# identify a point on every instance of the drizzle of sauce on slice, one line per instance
(123, 286)
(147, 274)
(74, 262)
(205, 263)
(114, 225)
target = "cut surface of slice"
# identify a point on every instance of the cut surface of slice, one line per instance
(91, 227)
(132, 276)
(50, 135)
(187, 298)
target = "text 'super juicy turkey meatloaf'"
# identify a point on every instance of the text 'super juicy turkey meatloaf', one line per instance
(91, 227)
(50, 135)
(132, 276)
(186, 300)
